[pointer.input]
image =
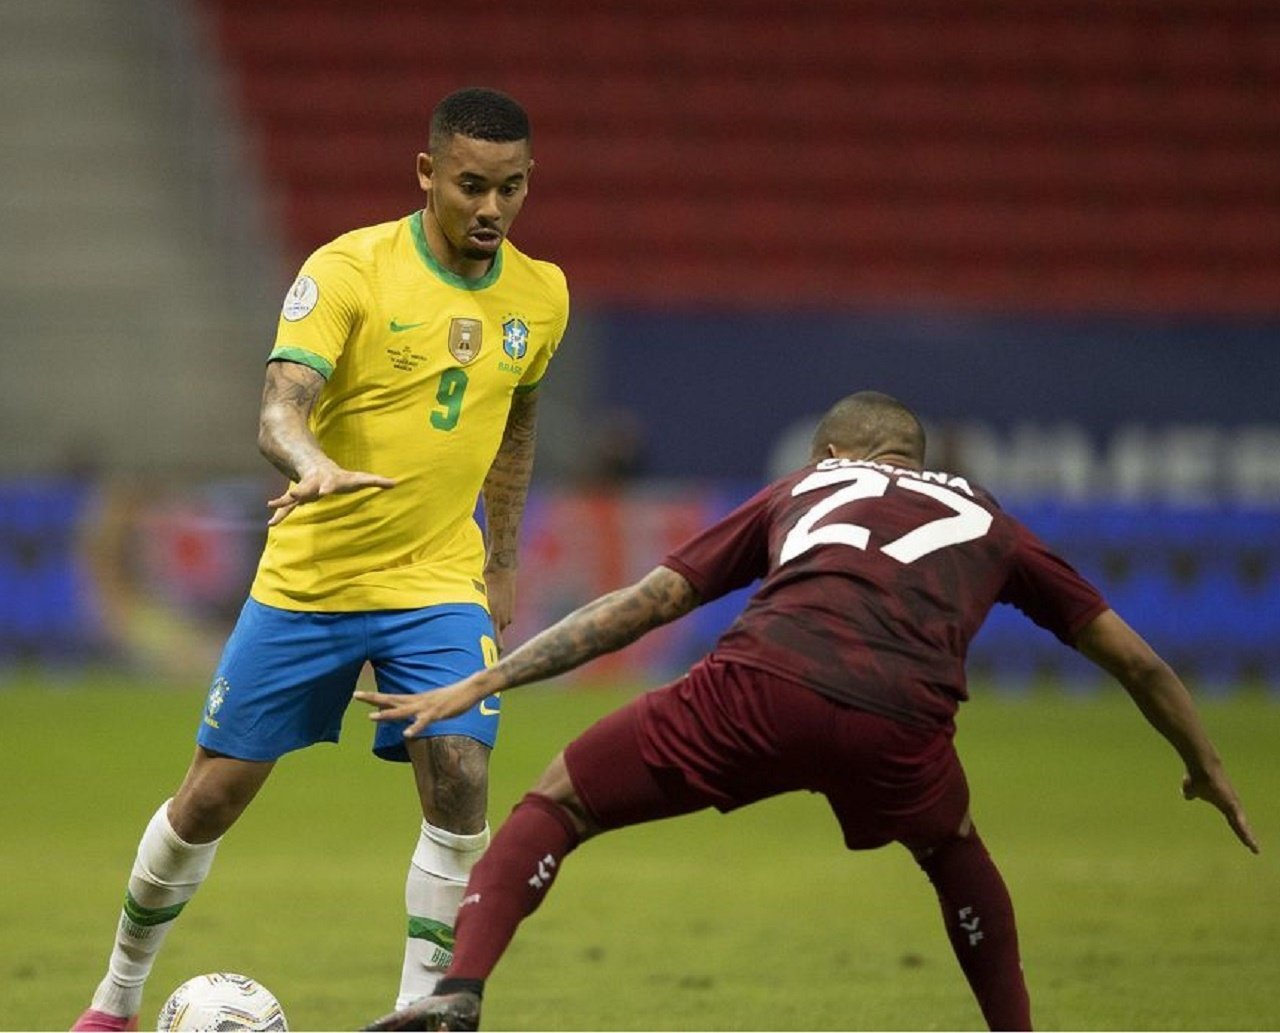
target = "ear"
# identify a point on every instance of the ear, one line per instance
(425, 170)
(831, 451)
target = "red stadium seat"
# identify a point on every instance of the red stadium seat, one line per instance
(1100, 155)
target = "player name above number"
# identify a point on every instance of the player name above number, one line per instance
(931, 476)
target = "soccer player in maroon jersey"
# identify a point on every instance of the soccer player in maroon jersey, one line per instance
(842, 676)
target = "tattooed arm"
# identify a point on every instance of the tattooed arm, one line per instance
(285, 438)
(505, 490)
(603, 626)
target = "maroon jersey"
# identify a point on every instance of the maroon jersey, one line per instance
(876, 577)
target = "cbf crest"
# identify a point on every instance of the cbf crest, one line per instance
(464, 338)
(217, 696)
(515, 337)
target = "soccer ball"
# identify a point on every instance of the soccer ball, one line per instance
(221, 1001)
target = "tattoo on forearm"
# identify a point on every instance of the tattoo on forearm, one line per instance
(284, 437)
(507, 484)
(603, 626)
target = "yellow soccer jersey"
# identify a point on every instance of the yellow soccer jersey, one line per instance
(421, 367)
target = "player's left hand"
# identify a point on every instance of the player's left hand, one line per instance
(425, 708)
(500, 588)
(1217, 790)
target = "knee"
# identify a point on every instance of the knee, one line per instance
(215, 792)
(556, 789)
(202, 811)
(569, 813)
(583, 823)
(957, 852)
(922, 850)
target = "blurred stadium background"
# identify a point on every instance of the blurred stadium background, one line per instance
(1051, 227)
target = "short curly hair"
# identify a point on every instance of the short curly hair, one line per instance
(479, 113)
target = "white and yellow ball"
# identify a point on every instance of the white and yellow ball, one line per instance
(221, 1001)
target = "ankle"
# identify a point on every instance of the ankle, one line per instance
(113, 998)
(456, 985)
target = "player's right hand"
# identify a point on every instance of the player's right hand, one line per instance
(424, 708)
(317, 484)
(1217, 790)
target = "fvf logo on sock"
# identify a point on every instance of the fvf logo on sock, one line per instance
(546, 868)
(970, 925)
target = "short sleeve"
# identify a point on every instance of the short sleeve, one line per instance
(1048, 589)
(729, 554)
(320, 312)
(537, 369)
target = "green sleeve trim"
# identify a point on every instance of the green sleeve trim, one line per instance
(524, 389)
(304, 358)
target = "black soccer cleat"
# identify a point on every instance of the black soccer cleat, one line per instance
(446, 1011)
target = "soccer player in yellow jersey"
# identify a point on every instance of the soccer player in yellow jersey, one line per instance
(402, 387)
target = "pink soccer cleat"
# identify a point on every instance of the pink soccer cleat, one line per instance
(93, 1019)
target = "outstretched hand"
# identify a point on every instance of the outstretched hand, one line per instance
(331, 480)
(425, 708)
(1217, 790)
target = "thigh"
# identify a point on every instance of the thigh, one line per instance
(898, 783)
(416, 651)
(283, 682)
(737, 734)
(614, 782)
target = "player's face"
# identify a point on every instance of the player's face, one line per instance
(475, 189)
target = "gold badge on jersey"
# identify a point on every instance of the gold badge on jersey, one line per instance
(464, 338)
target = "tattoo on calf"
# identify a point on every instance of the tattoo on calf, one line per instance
(459, 780)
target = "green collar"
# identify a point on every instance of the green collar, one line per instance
(445, 275)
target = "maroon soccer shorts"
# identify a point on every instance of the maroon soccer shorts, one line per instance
(726, 735)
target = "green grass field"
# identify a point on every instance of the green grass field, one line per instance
(1137, 910)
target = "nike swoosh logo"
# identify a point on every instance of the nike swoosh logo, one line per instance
(488, 711)
(399, 328)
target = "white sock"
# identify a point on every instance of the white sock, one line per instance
(166, 874)
(437, 878)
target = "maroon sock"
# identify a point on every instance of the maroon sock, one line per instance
(978, 915)
(509, 882)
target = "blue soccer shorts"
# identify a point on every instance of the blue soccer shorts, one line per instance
(286, 677)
